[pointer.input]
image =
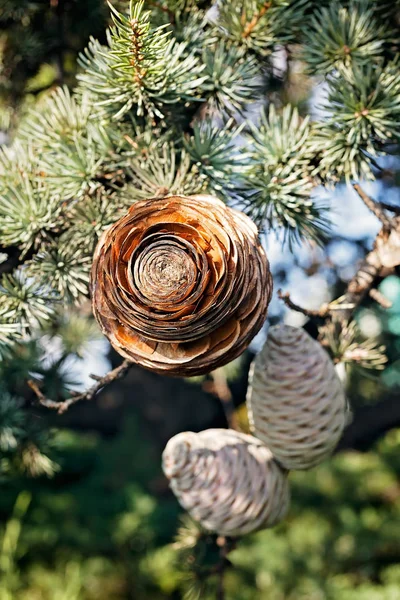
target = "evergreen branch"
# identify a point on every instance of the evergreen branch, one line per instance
(364, 109)
(259, 25)
(215, 154)
(89, 217)
(191, 26)
(339, 37)
(339, 158)
(160, 170)
(256, 17)
(141, 69)
(35, 463)
(89, 394)
(281, 138)
(10, 333)
(278, 182)
(28, 209)
(59, 118)
(64, 267)
(233, 79)
(343, 339)
(75, 330)
(26, 301)
(202, 558)
(367, 101)
(283, 200)
(74, 167)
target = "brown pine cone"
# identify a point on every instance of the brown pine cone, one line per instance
(228, 481)
(181, 285)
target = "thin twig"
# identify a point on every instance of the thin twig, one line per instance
(89, 394)
(218, 386)
(374, 207)
(375, 162)
(220, 585)
(363, 281)
(386, 206)
(370, 269)
(226, 545)
(256, 17)
(288, 72)
(380, 298)
(322, 312)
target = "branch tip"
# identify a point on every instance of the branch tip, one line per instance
(89, 394)
(376, 208)
(322, 312)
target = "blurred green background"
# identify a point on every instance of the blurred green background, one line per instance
(104, 525)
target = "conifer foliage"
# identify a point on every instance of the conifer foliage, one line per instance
(181, 98)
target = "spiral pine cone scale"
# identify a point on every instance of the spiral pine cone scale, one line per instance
(296, 401)
(228, 481)
(180, 285)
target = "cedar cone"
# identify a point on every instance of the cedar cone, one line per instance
(296, 402)
(180, 285)
(228, 481)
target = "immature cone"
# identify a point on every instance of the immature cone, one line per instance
(296, 401)
(180, 285)
(226, 480)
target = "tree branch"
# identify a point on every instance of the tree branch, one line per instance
(380, 298)
(220, 585)
(359, 286)
(256, 17)
(374, 207)
(322, 312)
(226, 545)
(386, 206)
(369, 270)
(89, 394)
